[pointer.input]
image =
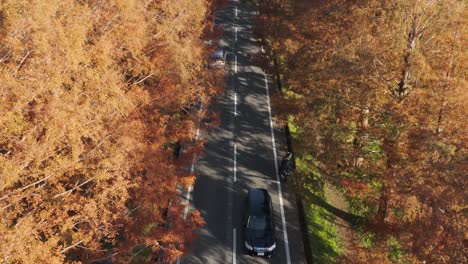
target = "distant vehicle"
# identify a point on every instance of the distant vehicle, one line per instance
(217, 60)
(259, 229)
(208, 42)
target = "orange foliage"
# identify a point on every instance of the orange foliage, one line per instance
(92, 95)
(377, 92)
(355, 188)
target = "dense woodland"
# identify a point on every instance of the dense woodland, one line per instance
(96, 98)
(376, 93)
(99, 97)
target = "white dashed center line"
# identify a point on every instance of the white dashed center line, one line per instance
(235, 63)
(235, 104)
(234, 246)
(235, 162)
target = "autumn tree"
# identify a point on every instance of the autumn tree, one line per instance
(93, 94)
(366, 85)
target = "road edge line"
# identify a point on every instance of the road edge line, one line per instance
(280, 194)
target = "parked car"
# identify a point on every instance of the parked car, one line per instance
(259, 228)
(217, 60)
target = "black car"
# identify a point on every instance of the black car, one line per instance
(258, 224)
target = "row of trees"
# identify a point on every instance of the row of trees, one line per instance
(377, 93)
(94, 96)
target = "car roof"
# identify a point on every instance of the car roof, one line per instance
(259, 202)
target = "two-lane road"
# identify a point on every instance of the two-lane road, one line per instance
(242, 153)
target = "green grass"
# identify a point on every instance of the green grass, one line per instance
(324, 240)
(366, 238)
(395, 251)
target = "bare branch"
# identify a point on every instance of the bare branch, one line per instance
(96, 6)
(148, 3)
(172, 23)
(72, 246)
(14, 202)
(93, 249)
(429, 39)
(6, 57)
(37, 182)
(74, 188)
(426, 25)
(134, 209)
(95, 148)
(139, 251)
(146, 77)
(423, 11)
(22, 61)
(104, 28)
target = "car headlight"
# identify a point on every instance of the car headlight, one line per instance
(249, 247)
(272, 247)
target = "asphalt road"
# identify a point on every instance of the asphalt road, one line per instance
(240, 154)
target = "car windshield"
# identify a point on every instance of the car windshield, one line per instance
(258, 223)
(217, 55)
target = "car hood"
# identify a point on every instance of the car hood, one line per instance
(260, 238)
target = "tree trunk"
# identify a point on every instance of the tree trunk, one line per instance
(388, 179)
(408, 59)
(447, 76)
(361, 138)
(441, 113)
(277, 74)
(418, 26)
(383, 205)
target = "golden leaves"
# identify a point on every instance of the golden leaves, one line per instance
(188, 181)
(379, 84)
(89, 105)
